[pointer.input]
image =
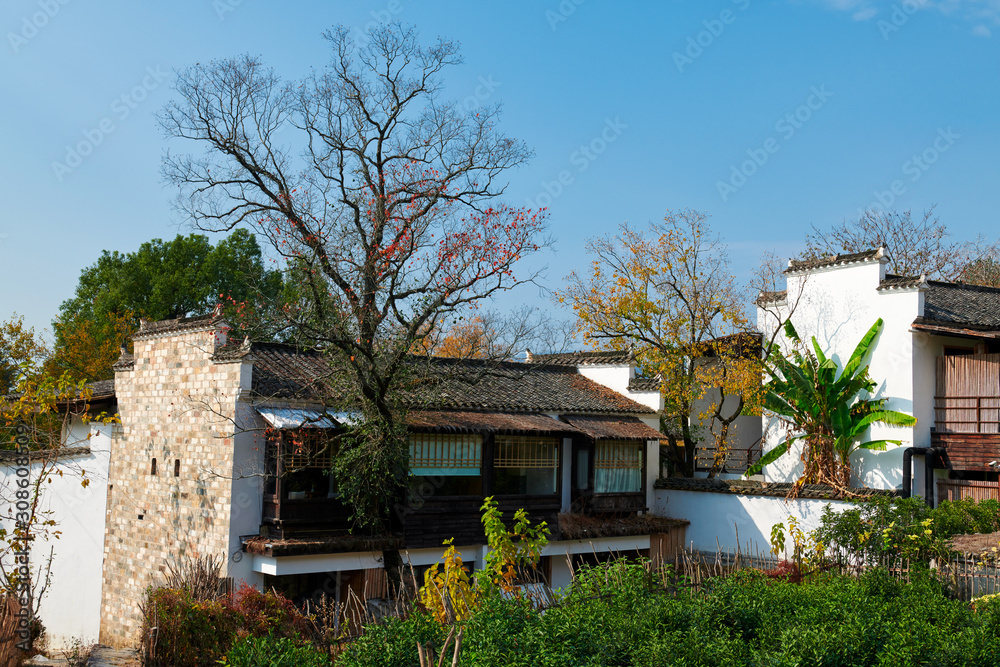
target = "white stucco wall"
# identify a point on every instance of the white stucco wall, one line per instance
(247, 494)
(70, 608)
(617, 377)
(838, 305)
(718, 519)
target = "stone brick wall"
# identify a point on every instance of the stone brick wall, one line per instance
(176, 404)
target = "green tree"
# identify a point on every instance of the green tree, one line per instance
(827, 409)
(161, 280)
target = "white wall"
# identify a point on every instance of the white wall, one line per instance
(70, 608)
(718, 518)
(617, 377)
(247, 493)
(838, 305)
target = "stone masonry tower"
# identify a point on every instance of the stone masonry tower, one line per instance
(170, 483)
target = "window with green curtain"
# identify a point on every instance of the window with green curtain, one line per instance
(446, 464)
(618, 466)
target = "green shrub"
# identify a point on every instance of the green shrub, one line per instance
(960, 517)
(193, 633)
(271, 651)
(617, 616)
(188, 632)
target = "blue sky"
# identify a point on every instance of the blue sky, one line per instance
(771, 116)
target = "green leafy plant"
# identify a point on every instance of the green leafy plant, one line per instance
(829, 410)
(271, 651)
(510, 551)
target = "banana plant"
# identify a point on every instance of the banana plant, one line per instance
(829, 410)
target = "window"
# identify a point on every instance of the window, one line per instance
(152, 468)
(618, 466)
(177, 467)
(452, 464)
(526, 465)
(308, 457)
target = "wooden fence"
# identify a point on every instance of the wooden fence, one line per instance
(967, 394)
(956, 489)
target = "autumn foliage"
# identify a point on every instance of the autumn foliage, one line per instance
(665, 293)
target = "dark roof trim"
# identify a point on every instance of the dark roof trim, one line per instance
(796, 265)
(599, 427)
(902, 282)
(486, 423)
(954, 329)
(182, 324)
(8, 455)
(771, 297)
(603, 357)
(641, 385)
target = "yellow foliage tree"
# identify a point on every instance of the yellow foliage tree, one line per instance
(88, 347)
(666, 294)
(19, 345)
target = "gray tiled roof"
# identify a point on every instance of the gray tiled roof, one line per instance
(901, 282)
(517, 387)
(282, 371)
(290, 373)
(834, 260)
(959, 304)
(601, 427)
(612, 357)
(639, 384)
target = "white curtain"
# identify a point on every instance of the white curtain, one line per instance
(617, 480)
(618, 467)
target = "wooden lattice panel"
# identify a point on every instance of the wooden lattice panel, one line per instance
(439, 450)
(519, 451)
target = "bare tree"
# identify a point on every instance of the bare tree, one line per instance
(388, 211)
(915, 246)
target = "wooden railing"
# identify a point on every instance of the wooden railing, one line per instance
(737, 459)
(967, 414)
(956, 489)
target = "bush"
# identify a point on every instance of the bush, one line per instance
(962, 517)
(619, 617)
(880, 527)
(274, 651)
(193, 633)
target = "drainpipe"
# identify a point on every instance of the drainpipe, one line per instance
(929, 454)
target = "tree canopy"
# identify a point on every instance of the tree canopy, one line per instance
(385, 199)
(20, 349)
(161, 280)
(666, 294)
